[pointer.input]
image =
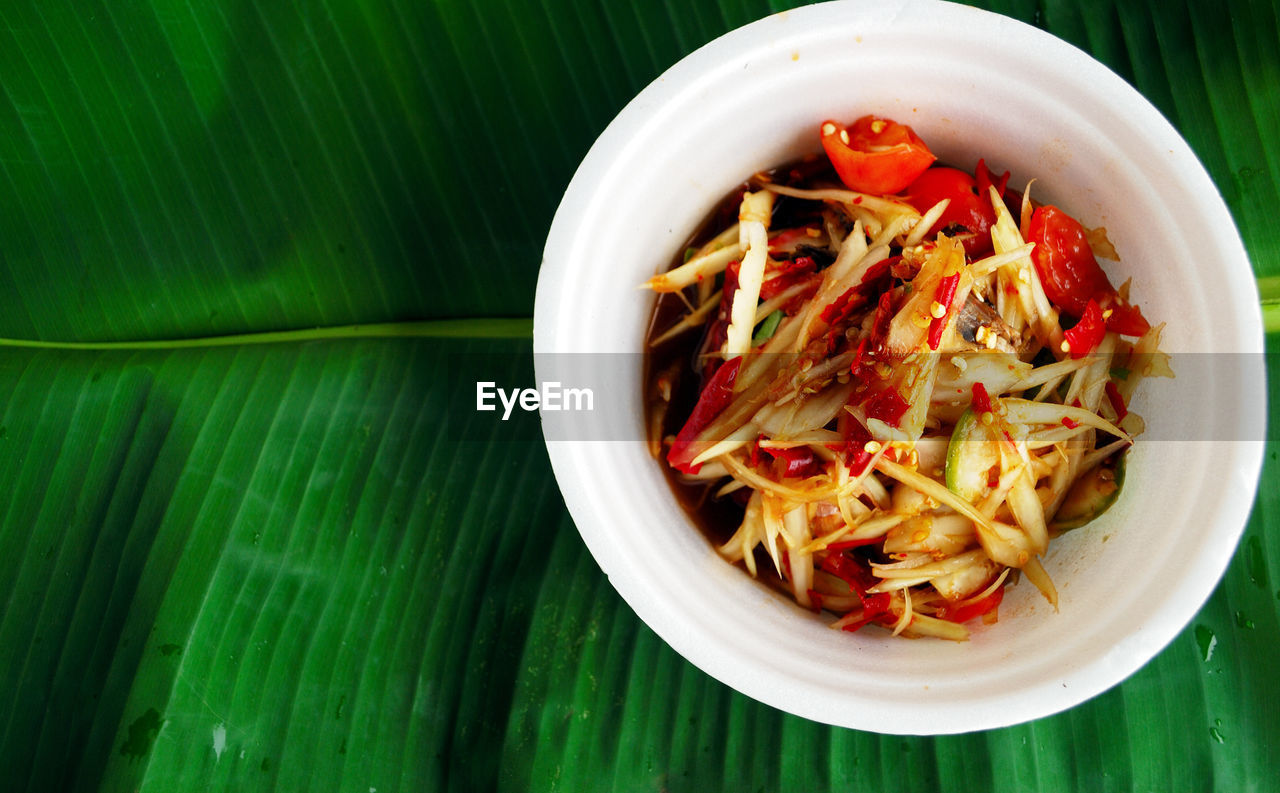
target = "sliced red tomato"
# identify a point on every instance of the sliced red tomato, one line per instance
(1125, 319)
(875, 155)
(969, 209)
(1085, 336)
(1071, 275)
(987, 180)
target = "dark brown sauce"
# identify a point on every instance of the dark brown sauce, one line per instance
(717, 518)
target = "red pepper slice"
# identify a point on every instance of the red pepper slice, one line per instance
(877, 273)
(875, 155)
(815, 597)
(838, 311)
(944, 297)
(1085, 336)
(853, 447)
(719, 329)
(840, 308)
(887, 406)
(798, 462)
(880, 609)
(857, 576)
(969, 208)
(882, 320)
(715, 397)
(981, 399)
(859, 580)
(858, 354)
(1116, 400)
(966, 613)
(1071, 275)
(787, 275)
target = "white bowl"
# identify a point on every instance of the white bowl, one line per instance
(972, 84)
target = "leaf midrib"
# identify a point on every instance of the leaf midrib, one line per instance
(465, 328)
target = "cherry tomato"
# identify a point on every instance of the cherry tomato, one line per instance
(875, 155)
(1126, 319)
(968, 209)
(1071, 275)
(987, 180)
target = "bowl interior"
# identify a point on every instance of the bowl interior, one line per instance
(1041, 109)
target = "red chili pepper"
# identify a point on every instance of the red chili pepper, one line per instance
(840, 307)
(859, 579)
(945, 295)
(857, 356)
(802, 264)
(1116, 400)
(838, 311)
(876, 604)
(856, 456)
(981, 399)
(719, 330)
(715, 397)
(811, 283)
(815, 597)
(966, 613)
(1071, 275)
(1070, 423)
(875, 155)
(798, 462)
(887, 406)
(787, 275)
(881, 606)
(844, 567)
(883, 318)
(877, 272)
(1085, 336)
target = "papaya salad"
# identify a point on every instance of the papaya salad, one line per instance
(884, 384)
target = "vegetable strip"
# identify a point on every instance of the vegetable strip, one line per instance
(887, 396)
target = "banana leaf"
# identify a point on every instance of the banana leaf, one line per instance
(254, 537)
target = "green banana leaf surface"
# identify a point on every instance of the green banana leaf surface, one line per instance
(251, 254)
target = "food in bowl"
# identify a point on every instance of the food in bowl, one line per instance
(885, 384)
